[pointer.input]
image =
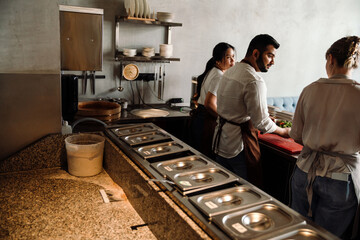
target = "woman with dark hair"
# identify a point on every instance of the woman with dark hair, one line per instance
(204, 116)
(326, 180)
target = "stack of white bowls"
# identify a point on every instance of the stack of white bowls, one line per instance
(284, 115)
(130, 52)
(272, 110)
(166, 50)
(148, 51)
(165, 16)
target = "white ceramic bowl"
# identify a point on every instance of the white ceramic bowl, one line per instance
(130, 52)
(165, 16)
(148, 52)
(166, 50)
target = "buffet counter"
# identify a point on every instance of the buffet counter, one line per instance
(223, 205)
(277, 168)
(177, 193)
(278, 159)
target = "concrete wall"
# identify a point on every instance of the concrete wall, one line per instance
(305, 30)
(30, 100)
(30, 44)
(29, 37)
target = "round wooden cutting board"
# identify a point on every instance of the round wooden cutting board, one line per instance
(101, 110)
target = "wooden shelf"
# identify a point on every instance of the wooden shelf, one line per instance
(146, 21)
(139, 58)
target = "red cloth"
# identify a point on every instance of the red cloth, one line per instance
(286, 144)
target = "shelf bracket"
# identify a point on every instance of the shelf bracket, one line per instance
(117, 37)
(168, 37)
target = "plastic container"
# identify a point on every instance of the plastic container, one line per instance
(84, 154)
(66, 128)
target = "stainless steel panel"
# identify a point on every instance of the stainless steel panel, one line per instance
(81, 41)
(145, 138)
(183, 164)
(132, 129)
(256, 222)
(231, 199)
(160, 149)
(193, 181)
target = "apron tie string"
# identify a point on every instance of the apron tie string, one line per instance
(315, 159)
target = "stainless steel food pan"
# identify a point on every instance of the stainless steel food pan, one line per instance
(132, 129)
(145, 138)
(192, 181)
(302, 232)
(256, 222)
(179, 165)
(230, 199)
(160, 149)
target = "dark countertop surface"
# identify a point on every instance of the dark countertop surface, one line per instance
(127, 115)
(180, 115)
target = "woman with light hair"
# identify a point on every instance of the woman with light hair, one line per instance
(326, 180)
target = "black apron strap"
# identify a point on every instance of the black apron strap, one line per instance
(222, 121)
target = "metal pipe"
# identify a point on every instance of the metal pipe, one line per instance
(87, 119)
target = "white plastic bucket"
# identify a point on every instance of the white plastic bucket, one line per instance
(84, 154)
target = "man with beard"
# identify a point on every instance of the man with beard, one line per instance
(242, 107)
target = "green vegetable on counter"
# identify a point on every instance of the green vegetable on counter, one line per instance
(283, 123)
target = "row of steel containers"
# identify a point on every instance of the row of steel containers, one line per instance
(234, 206)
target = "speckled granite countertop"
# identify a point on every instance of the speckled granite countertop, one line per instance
(52, 204)
(39, 199)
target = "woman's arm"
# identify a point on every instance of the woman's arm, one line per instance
(210, 104)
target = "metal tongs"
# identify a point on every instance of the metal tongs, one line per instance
(160, 85)
(92, 82)
(84, 82)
